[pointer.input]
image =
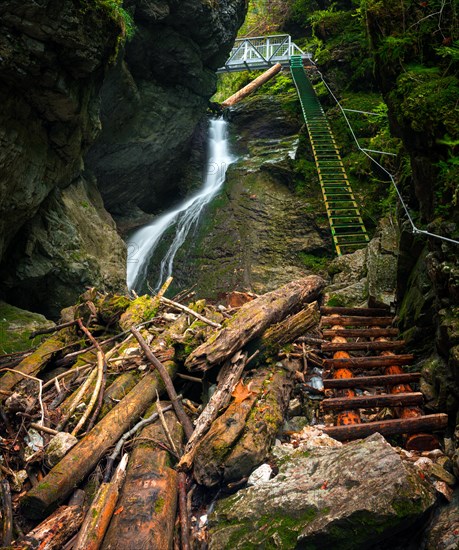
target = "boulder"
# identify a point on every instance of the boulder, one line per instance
(443, 532)
(349, 497)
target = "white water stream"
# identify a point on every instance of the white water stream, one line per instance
(143, 242)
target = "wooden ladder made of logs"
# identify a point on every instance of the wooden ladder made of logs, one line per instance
(370, 330)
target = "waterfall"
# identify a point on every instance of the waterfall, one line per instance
(144, 241)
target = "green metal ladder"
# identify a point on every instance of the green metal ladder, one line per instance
(346, 223)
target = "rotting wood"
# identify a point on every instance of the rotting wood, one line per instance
(228, 377)
(190, 312)
(82, 458)
(360, 332)
(288, 330)
(175, 400)
(370, 401)
(252, 320)
(254, 85)
(7, 512)
(434, 422)
(36, 361)
(364, 381)
(369, 362)
(49, 330)
(362, 346)
(359, 311)
(57, 529)
(357, 321)
(148, 500)
(184, 523)
(240, 438)
(100, 512)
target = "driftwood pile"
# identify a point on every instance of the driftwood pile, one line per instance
(114, 424)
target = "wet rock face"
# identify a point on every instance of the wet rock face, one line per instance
(154, 98)
(355, 496)
(52, 56)
(69, 245)
(257, 231)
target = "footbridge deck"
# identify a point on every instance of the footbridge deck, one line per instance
(262, 52)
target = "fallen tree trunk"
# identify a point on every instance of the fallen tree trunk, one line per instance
(227, 379)
(57, 529)
(254, 85)
(252, 320)
(82, 458)
(241, 437)
(101, 510)
(148, 501)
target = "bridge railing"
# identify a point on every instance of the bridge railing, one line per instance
(262, 52)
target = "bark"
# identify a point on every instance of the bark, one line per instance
(101, 510)
(254, 85)
(369, 401)
(288, 330)
(363, 346)
(82, 458)
(368, 362)
(241, 437)
(432, 422)
(252, 320)
(36, 361)
(361, 332)
(57, 529)
(148, 500)
(227, 379)
(357, 321)
(368, 381)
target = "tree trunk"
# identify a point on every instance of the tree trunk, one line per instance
(148, 502)
(254, 85)
(241, 437)
(82, 458)
(252, 320)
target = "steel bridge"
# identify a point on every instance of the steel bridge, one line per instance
(262, 52)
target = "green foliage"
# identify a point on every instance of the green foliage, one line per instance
(113, 9)
(314, 263)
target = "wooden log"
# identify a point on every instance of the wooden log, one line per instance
(36, 361)
(7, 512)
(227, 379)
(362, 346)
(253, 319)
(148, 501)
(57, 529)
(100, 512)
(288, 330)
(431, 422)
(360, 332)
(254, 85)
(360, 311)
(117, 390)
(240, 439)
(369, 381)
(370, 401)
(82, 458)
(357, 321)
(368, 362)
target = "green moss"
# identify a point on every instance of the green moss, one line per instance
(159, 505)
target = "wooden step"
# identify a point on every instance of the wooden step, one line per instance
(370, 401)
(359, 311)
(363, 346)
(370, 381)
(431, 422)
(357, 321)
(369, 362)
(360, 332)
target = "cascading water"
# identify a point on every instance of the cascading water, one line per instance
(143, 242)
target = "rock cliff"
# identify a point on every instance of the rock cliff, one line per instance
(55, 236)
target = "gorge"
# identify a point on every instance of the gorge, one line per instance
(115, 174)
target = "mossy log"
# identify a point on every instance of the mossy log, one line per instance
(288, 330)
(37, 360)
(253, 319)
(57, 529)
(82, 458)
(148, 500)
(240, 439)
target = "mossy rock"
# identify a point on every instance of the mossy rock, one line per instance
(16, 325)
